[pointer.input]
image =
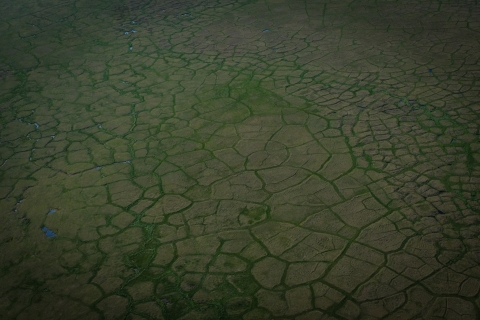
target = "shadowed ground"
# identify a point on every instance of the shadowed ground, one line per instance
(239, 159)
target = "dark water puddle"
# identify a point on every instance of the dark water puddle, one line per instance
(49, 233)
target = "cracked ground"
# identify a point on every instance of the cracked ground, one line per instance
(239, 159)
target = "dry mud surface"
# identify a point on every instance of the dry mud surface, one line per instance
(239, 159)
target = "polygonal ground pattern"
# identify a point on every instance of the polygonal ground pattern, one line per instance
(239, 160)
